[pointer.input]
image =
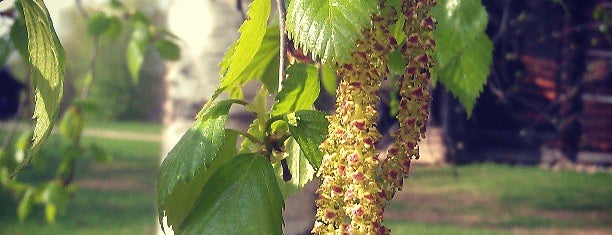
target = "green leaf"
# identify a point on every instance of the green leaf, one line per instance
(114, 28)
(224, 65)
(25, 206)
(241, 198)
(185, 195)
(19, 37)
(99, 153)
(168, 50)
(138, 17)
(259, 107)
(71, 125)
(300, 89)
(264, 65)
(22, 146)
(164, 33)
(309, 128)
(329, 79)
(244, 50)
(301, 171)
(190, 163)
(86, 105)
(97, 24)
(48, 65)
(56, 198)
(70, 154)
(463, 50)
(397, 29)
(396, 5)
(50, 212)
(228, 149)
(256, 129)
(136, 50)
(329, 29)
(397, 63)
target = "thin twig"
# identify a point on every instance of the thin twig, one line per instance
(81, 9)
(282, 14)
(240, 9)
(91, 68)
(504, 22)
(94, 53)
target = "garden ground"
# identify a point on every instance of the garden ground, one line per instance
(119, 197)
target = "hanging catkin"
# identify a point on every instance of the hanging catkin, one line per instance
(415, 95)
(349, 196)
(355, 181)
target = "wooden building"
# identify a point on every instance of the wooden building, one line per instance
(549, 96)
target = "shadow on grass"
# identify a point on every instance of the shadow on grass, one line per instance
(504, 198)
(112, 198)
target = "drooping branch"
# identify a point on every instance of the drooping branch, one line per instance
(94, 53)
(91, 68)
(81, 8)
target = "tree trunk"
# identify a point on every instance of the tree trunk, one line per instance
(208, 28)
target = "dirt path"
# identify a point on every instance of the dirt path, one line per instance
(110, 134)
(100, 133)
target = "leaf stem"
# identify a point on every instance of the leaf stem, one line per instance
(242, 102)
(272, 120)
(282, 14)
(247, 135)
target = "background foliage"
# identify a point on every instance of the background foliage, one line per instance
(118, 96)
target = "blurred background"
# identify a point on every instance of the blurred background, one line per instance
(535, 156)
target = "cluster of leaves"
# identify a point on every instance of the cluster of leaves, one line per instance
(35, 39)
(54, 194)
(223, 186)
(109, 23)
(208, 184)
(33, 36)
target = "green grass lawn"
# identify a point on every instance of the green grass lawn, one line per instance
(112, 198)
(492, 199)
(119, 197)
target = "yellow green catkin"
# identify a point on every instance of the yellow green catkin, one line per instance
(349, 199)
(415, 94)
(356, 180)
